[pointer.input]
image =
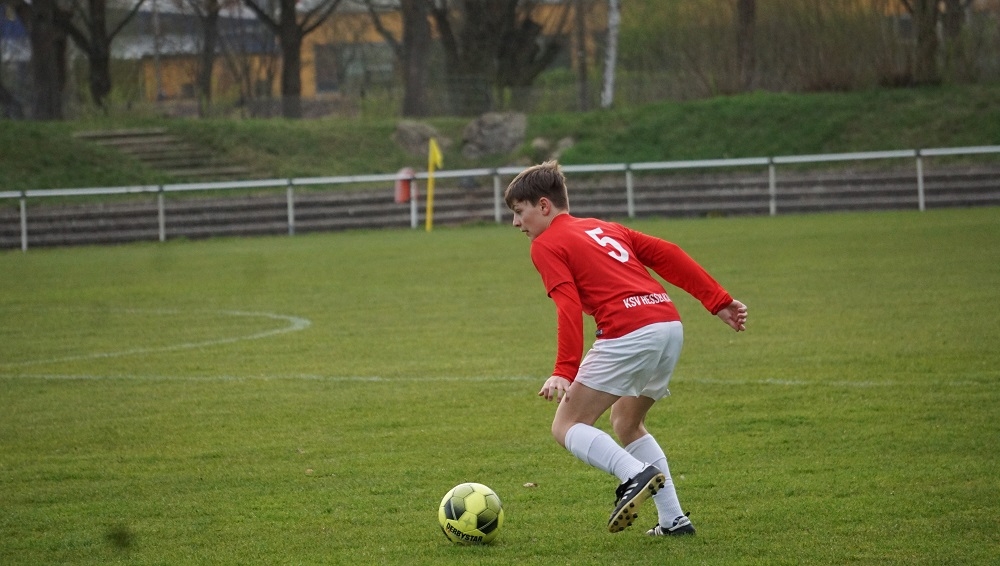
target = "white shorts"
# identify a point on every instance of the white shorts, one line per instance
(639, 363)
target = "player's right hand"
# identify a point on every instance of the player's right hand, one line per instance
(554, 387)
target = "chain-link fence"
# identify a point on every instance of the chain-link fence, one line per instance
(668, 50)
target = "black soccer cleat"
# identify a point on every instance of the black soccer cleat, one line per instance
(681, 526)
(631, 494)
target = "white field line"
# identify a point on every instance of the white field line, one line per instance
(292, 377)
(477, 379)
(294, 324)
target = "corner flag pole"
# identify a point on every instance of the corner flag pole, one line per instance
(434, 159)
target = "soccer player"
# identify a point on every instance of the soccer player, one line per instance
(599, 268)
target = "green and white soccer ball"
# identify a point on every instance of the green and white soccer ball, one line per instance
(471, 513)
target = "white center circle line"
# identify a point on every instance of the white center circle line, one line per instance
(295, 324)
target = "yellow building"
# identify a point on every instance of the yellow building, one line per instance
(346, 48)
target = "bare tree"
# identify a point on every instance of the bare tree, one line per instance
(416, 47)
(952, 21)
(580, 45)
(290, 30)
(412, 51)
(525, 53)
(86, 23)
(469, 34)
(746, 58)
(611, 56)
(207, 12)
(490, 45)
(48, 56)
(10, 105)
(953, 17)
(925, 17)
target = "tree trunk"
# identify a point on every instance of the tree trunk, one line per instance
(100, 75)
(416, 46)
(472, 78)
(746, 21)
(45, 40)
(925, 20)
(497, 46)
(953, 18)
(580, 33)
(520, 58)
(611, 57)
(291, 61)
(100, 53)
(291, 76)
(10, 105)
(93, 38)
(206, 62)
(470, 52)
(290, 34)
(952, 22)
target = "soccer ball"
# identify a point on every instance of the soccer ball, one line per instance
(471, 513)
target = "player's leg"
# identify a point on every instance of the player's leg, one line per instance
(628, 421)
(573, 428)
(628, 418)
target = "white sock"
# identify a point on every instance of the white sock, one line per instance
(597, 448)
(667, 505)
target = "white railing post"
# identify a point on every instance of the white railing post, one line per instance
(161, 214)
(497, 198)
(414, 205)
(290, 197)
(772, 187)
(498, 204)
(24, 221)
(921, 203)
(629, 190)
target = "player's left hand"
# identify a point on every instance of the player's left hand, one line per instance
(555, 387)
(735, 315)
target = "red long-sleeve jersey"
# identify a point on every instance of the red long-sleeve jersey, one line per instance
(599, 268)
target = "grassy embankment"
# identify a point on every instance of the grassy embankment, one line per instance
(45, 155)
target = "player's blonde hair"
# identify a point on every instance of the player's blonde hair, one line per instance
(542, 180)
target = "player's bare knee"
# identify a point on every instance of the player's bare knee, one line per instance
(559, 431)
(619, 422)
(626, 433)
(627, 430)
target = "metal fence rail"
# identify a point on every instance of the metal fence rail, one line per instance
(498, 174)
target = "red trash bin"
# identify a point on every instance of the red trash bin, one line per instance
(404, 184)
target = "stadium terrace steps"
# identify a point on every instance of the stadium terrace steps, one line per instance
(204, 215)
(166, 152)
(797, 192)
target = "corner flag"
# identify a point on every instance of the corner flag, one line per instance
(434, 160)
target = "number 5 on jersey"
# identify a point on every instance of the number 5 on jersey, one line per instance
(604, 241)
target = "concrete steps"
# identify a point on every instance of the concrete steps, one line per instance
(797, 192)
(166, 152)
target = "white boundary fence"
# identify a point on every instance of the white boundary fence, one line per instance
(628, 169)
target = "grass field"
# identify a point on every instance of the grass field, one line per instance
(46, 155)
(309, 400)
